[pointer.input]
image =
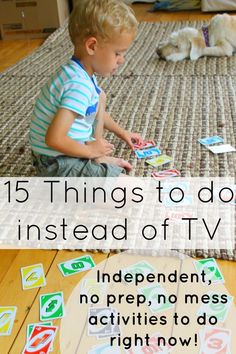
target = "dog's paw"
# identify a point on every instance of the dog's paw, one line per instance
(195, 54)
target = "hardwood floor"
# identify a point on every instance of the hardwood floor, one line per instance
(11, 260)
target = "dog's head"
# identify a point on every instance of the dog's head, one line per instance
(178, 46)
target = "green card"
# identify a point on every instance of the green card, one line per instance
(211, 269)
(51, 306)
(76, 265)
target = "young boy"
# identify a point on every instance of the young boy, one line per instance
(69, 116)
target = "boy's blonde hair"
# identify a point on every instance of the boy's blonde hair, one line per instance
(102, 18)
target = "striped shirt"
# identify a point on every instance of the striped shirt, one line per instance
(72, 88)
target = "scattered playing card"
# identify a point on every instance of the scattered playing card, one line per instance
(215, 340)
(146, 144)
(30, 329)
(142, 154)
(100, 330)
(211, 269)
(220, 149)
(141, 267)
(165, 174)
(151, 293)
(76, 265)
(41, 340)
(160, 160)
(51, 306)
(90, 286)
(33, 277)
(7, 317)
(211, 140)
(219, 310)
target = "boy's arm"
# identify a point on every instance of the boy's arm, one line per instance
(57, 138)
(129, 137)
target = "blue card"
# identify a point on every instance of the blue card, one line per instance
(211, 140)
(142, 154)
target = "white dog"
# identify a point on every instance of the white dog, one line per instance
(216, 39)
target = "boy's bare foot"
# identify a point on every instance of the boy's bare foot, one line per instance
(115, 161)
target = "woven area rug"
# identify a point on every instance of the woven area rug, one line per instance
(173, 103)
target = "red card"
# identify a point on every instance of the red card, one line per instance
(165, 174)
(40, 340)
(144, 145)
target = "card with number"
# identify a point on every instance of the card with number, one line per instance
(165, 174)
(221, 149)
(215, 340)
(211, 140)
(7, 317)
(76, 265)
(211, 270)
(41, 340)
(51, 306)
(144, 145)
(33, 277)
(159, 160)
(142, 154)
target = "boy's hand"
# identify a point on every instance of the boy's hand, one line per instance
(99, 147)
(132, 138)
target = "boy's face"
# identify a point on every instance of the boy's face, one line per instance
(109, 55)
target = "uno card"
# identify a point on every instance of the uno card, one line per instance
(41, 340)
(187, 201)
(33, 277)
(219, 310)
(7, 317)
(215, 341)
(141, 267)
(165, 174)
(100, 330)
(142, 154)
(51, 306)
(159, 160)
(211, 140)
(31, 326)
(90, 287)
(152, 347)
(144, 145)
(76, 265)
(154, 298)
(220, 149)
(211, 269)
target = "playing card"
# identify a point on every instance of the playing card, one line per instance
(215, 341)
(31, 326)
(188, 200)
(165, 174)
(90, 287)
(155, 304)
(76, 265)
(40, 340)
(142, 154)
(100, 329)
(211, 269)
(144, 145)
(220, 149)
(33, 277)
(51, 306)
(219, 310)
(152, 348)
(160, 160)
(211, 140)
(7, 317)
(141, 267)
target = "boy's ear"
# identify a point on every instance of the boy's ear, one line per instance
(91, 44)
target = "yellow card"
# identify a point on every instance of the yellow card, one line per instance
(33, 276)
(7, 317)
